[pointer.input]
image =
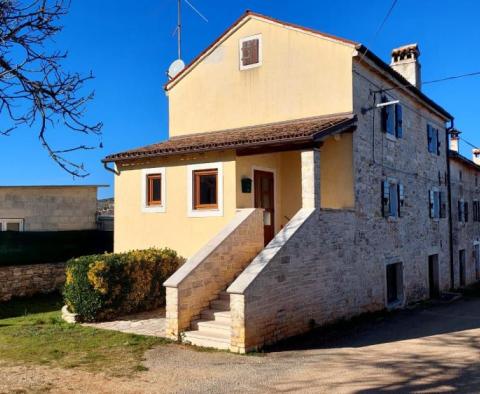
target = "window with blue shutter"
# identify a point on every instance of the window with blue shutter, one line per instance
(433, 140)
(392, 119)
(393, 198)
(465, 211)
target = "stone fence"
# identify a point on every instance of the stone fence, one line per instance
(27, 280)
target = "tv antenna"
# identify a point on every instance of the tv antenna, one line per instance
(178, 65)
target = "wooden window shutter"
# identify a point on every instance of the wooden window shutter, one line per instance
(398, 121)
(460, 211)
(431, 203)
(465, 211)
(401, 198)
(250, 52)
(246, 53)
(385, 198)
(254, 54)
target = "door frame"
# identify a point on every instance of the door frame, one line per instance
(275, 186)
(275, 192)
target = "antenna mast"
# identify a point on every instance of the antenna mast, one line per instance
(179, 29)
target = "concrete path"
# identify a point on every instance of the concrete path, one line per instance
(151, 323)
(427, 350)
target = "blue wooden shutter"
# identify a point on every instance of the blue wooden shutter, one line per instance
(465, 210)
(398, 121)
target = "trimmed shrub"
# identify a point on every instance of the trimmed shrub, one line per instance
(103, 286)
(32, 247)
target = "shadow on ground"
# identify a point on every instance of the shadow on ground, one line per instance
(24, 306)
(433, 348)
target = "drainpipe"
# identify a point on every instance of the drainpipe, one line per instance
(449, 192)
(114, 170)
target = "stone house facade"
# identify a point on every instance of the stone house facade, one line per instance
(309, 183)
(465, 216)
(48, 208)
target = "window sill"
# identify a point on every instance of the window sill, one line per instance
(249, 67)
(201, 213)
(391, 137)
(153, 209)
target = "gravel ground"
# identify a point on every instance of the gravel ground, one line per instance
(425, 350)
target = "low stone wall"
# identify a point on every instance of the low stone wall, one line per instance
(27, 280)
(207, 273)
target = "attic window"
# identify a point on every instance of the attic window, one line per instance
(250, 52)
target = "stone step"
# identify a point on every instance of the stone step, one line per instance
(207, 338)
(220, 316)
(220, 305)
(219, 327)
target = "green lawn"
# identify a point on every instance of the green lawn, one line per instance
(32, 331)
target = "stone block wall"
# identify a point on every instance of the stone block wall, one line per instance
(212, 269)
(47, 208)
(27, 280)
(465, 186)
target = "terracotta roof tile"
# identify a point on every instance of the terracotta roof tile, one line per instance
(300, 130)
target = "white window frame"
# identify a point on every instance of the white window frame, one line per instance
(260, 52)
(200, 213)
(143, 204)
(3, 224)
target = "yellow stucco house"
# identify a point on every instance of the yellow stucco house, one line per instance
(268, 186)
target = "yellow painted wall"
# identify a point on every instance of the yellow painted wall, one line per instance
(286, 167)
(135, 229)
(336, 172)
(302, 75)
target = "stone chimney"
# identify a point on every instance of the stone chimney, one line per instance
(454, 140)
(476, 156)
(405, 62)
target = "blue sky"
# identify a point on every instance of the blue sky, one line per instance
(129, 46)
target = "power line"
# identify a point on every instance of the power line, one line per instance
(453, 77)
(468, 143)
(380, 27)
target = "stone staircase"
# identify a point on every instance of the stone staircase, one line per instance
(213, 328)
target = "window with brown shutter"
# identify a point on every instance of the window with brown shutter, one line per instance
(154, 189)
(205, 189)
(250, 52)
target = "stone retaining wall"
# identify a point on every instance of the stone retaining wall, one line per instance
(212, 269)
(27, 280)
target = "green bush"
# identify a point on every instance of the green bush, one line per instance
(19, 248)
(103, 286)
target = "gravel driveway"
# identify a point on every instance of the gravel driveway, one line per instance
(435, 349)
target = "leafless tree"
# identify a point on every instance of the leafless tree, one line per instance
(35, 90)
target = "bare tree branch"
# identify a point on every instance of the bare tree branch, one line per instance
(34, 89)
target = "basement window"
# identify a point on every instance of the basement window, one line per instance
(11, 225)
(250, 52)
(394, 279)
